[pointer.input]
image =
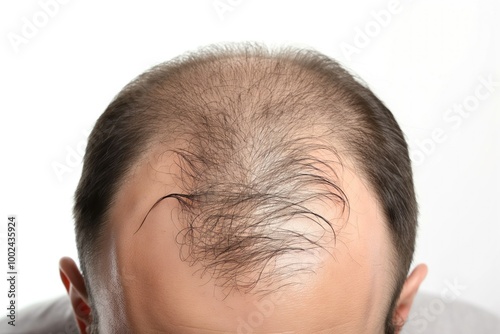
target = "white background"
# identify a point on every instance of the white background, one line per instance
(426, 60)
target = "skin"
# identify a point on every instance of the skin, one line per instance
(143, 286)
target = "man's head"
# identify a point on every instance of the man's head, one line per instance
(238, 189)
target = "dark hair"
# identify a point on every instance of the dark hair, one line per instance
(248, 120)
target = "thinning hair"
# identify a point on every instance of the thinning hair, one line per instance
(247, 122)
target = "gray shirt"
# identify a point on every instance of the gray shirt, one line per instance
(430, 314)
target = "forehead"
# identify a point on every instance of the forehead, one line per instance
(158, 287)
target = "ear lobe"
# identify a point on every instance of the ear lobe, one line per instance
(408, 293)
(75, 287)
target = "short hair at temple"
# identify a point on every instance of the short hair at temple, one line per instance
(246, 121)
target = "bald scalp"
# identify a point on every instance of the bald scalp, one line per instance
(248, 132)
(248, 124)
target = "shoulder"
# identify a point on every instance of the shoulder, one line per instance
(446, 315)
(52, 317)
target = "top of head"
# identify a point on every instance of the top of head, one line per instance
(255, 144)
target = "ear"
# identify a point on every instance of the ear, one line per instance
(75, 287)
(408, 293)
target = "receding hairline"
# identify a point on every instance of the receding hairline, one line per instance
(326, 84)
(249, 63)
